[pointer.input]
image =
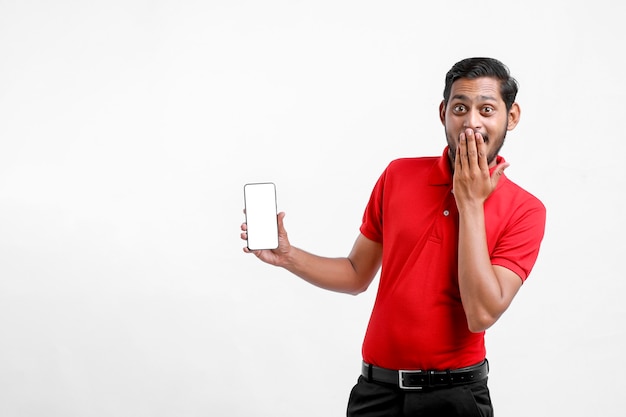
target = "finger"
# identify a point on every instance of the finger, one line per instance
(472, 151)
(461, 151)
(244, 226)
(481, 151)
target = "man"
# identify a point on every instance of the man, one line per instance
(456, 239)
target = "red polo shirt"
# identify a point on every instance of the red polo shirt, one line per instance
(418, 320)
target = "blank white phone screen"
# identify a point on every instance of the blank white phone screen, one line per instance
(260, 204)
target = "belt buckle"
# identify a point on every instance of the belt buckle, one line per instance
(401, 383)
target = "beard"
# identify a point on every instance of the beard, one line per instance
(497, 144)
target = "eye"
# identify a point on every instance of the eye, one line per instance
(459, 108)
(488, 109)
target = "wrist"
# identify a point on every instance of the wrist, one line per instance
(471, 207)
(289, 258)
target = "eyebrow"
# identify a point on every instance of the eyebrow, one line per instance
(482, 98)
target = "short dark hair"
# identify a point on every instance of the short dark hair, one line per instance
(472, 68)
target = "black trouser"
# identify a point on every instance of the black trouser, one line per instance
(374, 399)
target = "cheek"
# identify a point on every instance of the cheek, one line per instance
(452, 121)
(453, 128)
(499, 125)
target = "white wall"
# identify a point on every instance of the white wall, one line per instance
(127, 131)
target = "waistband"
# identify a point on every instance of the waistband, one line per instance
(418, 379)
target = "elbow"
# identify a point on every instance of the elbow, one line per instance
(478, 323)
(358, 289)
(359, 284)
(481, 317)
(477, 328)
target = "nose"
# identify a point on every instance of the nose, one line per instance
(472, 120)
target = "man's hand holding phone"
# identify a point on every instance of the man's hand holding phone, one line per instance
(263, 229)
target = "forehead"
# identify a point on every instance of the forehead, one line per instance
(483, 87)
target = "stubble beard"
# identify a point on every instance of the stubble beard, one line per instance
(454, 142)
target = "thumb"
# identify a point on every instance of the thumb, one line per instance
(281, 224)
(497, 172)
(283, 240)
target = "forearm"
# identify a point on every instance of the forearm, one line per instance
(334, 274)
(481, 293)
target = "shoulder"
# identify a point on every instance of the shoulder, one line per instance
(412, 164)
(519, 201)
(427, 170)
(512, 189)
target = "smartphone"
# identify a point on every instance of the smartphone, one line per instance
(261, 210)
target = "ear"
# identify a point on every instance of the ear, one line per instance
(442, 112)
(514, 115)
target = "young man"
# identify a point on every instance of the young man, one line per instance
(456, 239)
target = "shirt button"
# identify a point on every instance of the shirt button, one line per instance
(446, 212)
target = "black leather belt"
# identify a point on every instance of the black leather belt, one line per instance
(426, 379)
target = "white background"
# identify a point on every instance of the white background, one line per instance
(127, 131)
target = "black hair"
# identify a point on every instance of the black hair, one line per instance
(472, 68)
